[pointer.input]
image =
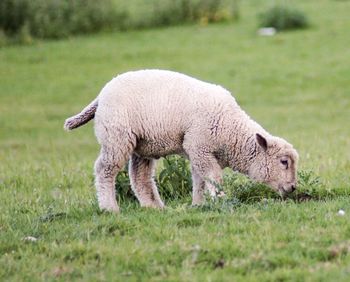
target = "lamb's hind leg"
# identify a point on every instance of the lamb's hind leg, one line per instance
(141, 173)
(107, 165)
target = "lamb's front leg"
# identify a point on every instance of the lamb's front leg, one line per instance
(198, 189)
(206, 175)
(141, 173)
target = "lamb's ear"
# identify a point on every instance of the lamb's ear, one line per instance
(261, 141)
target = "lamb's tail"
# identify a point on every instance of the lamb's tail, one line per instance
(83, 117)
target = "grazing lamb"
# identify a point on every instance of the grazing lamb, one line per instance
(147, 114)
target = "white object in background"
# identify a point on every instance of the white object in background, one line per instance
(341, 212)
(30, 238)
(267, 31)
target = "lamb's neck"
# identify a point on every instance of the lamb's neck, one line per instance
(244, 146)
(244, 154)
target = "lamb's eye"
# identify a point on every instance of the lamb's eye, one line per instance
(285, 163)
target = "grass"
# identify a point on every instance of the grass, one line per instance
(295, 84)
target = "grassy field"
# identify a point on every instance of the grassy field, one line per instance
(296, 84)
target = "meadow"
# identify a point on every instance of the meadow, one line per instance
(296, 84)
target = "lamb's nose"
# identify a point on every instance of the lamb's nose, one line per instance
(292, 188)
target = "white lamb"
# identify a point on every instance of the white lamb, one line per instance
(147, 114)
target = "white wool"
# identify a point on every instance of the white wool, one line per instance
(147, 114)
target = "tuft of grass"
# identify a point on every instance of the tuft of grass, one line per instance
(283, 17)
(174, 179)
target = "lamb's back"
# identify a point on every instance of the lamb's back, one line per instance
(161, 99)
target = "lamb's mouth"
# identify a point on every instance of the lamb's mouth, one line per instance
(282, 190)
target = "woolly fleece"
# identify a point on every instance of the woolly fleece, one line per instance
(147, 114)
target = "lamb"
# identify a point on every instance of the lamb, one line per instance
(147, 114)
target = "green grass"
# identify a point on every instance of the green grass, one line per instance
(295, 84)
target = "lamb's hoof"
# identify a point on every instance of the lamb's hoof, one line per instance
(113, 209)
(153, 205)
(198, 203)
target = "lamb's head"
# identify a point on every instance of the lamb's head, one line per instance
(275, 164)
